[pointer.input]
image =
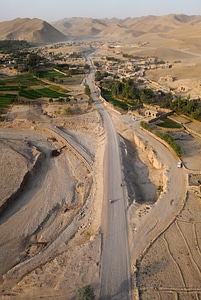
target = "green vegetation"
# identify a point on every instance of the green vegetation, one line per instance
(100, 75)
(166, 137)
(6, 99)
(96, 64)
(85, 293)
(9, 88)
(187, 107)
(126, 55)
(38, 93)
(27, 80)
(127, 91)
(76, 55)
(58, 88)
(46, 92)
(49, 74)
(87, 90)
(111, 58)
(168, 123)
(29, 94)
(28, 87)
(144, 125)
(170, 141)
(108, 97)
(37, 66)
(11, 46)
(158, 61)
(32, 63)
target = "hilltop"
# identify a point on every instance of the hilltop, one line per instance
(31, 30)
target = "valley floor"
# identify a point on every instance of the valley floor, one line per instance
(51, 231)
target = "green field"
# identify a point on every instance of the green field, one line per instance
(107, 95)
(23, 86)
(50, 73)
(47, 92)
(11, 88)
(168, 123)
(27, 80)
(39, 93)
(29, 87)
(29, 93)
(58, 89)
(6, 99)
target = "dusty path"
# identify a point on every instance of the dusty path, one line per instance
(115, 263)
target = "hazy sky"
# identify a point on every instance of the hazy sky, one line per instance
(53, 10)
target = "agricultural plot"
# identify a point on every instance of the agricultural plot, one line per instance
(39, 93)
(171, 267)
(74, 80)
(47, 92)
(107, 95)
(28, 87)
(25, 80)
(7, 88)
(6, 99)
(49, 74)
(168, 123)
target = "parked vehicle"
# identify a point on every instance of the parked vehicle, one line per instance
(179, 164)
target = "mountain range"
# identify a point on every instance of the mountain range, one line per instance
(165, 27)
(129, 27)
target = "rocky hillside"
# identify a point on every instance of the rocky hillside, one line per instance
(168, 27)
(130, 27)
(32, 30)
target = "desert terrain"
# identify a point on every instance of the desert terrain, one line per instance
(51, 206)
(54, 220)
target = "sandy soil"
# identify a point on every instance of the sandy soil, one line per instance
(50, 232)
(169, 268)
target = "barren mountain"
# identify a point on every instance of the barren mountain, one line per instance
(180, 29)
(32, 30)
(167, 25)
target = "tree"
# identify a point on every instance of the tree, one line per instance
(32, 62)
(85, 293)
(87, 90)
(86, 67)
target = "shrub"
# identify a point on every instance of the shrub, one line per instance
(170, 141)
(85, 293)
(144, 125)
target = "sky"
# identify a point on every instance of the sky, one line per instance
(54, 10)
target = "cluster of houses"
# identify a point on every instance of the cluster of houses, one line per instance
(130, 68)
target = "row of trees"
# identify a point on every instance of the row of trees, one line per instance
(127, 90)
(13, 46)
